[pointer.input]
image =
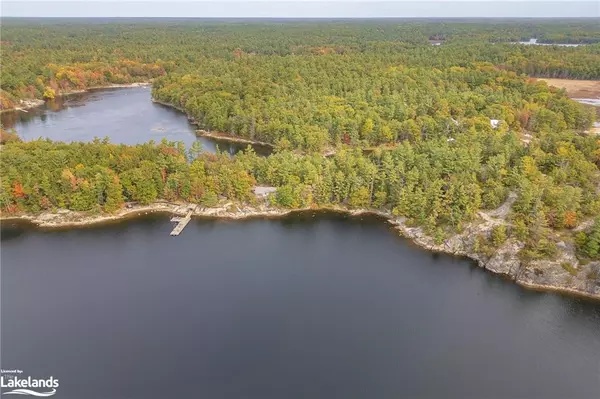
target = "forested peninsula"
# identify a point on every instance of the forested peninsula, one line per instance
(443, 129)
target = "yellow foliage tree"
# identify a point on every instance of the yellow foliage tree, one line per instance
(49, 93)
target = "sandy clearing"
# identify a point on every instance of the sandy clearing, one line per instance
(576, 88)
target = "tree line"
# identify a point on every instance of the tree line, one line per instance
(435, 183)
(44, 58)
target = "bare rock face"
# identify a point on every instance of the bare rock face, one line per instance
(27, 104)
(564, 274)
(506, 259)
(592, 278)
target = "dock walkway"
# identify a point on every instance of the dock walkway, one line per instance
(182, 221)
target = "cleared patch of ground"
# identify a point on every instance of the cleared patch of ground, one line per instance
(576, 88)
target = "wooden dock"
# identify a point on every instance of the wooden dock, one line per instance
(182, 221)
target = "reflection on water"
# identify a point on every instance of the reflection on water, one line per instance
(124, 115)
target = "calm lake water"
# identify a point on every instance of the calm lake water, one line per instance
(534, 42)
(125, 115)
(303, 307)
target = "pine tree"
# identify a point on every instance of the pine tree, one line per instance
(114, 195)
(592, 245)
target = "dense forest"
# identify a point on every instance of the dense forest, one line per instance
(433, 133)
(436, 184)
(45, 57)
(311, 103)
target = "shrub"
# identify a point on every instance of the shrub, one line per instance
(569, 268)
(498, 235)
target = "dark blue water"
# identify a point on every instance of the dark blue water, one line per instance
(125, 115)
(304, 307)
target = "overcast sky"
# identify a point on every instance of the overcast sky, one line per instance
(299, 8)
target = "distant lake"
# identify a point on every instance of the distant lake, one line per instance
(125, 115)
(589, 101)
(534, 42)
(310, 306)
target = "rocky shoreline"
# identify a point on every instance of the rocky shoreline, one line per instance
(219, 136)
(231, 139)
(110, 86)
(24, 105)
(544, 275)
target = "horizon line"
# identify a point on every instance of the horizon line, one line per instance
(290, 18)
(296, 9)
